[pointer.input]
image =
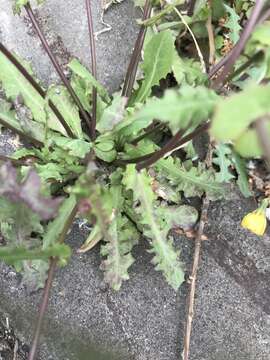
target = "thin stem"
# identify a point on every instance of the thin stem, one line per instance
(219, 81)
(256, 57)
(162, 152)
(135, 58)
(42, 309)
(264, 16)
(211, 37)
(215, 68)
(193, 277)
(222, 62)
(171, 146)
(56, 64)
(200, 129)
(148, 131)
(36, 86)
(200, 55)
(191, 7)
(94, 66)
(46, 292)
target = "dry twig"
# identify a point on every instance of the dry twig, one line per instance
(211, 38)
(46, 292)
(192, 278)
(195, 266)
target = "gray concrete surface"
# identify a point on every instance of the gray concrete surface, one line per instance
(145, 320)
(65, 25)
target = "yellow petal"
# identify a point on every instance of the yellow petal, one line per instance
(255, 222)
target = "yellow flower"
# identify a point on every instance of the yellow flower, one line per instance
(254, 222)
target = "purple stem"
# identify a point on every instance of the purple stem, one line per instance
(135, 58)
(46, 292)
(56, 64)
(36, 86)
(42, 309)
(236, 51)
(94, 66)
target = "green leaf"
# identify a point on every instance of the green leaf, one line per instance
(123, 236)
(55, 227)
(60, 96)
(105, 204)
(112, 115)
(48, 172)
(179, 109)
(224, 162)
(218, 9)
(18, 222)
(199, 6)
(242, 181)
(19, 4)
(232, 24)
(188, 71)
(34, 273)
(234, 114)
(183, 216)
(104, 148)
(11, 255)
(8, 115)
(262, 34)
(166, 257)
(158, 60)
(15, 84)
(21, 124)
(94, 237)
(87, 81)
(168, 8)
(247, 145)
(74, 147)
(24, 152)
(194, 182)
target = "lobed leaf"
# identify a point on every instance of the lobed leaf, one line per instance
(12, 255)
(222, 159)
(242, 180)
(158, 60)
(123, 236)
(166, 257)
(179, 109)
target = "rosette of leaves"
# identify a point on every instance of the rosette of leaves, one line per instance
(105, 177)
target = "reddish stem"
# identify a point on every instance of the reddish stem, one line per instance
(42, 310)
(46, 292)
(94, 66)
(135, 58)
(36, 86)
(236, 51)
(56, 64)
